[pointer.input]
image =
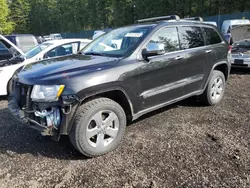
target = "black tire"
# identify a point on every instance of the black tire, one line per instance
(10, 87)
(207, 97)
(84, 118)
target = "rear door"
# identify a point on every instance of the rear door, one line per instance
(193, 70)
(215, 48)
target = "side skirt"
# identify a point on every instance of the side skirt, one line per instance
(143, 112)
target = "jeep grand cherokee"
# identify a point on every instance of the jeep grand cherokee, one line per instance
(119, 77)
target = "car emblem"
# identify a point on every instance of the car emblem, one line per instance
(241, 54)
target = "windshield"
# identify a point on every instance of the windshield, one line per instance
(36, 50)
(118, 43)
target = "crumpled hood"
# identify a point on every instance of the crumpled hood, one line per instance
(241, 32)
(58, 69)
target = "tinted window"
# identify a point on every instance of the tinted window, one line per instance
(62, 50)
(191, 37)
(212, 37)
(169, 37)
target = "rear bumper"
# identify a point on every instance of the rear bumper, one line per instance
(240, 62)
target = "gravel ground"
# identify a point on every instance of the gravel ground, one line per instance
(184, 145)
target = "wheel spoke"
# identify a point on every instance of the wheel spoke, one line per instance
(109, 121)
(219, 91)
(100, 141)
(98, 119)
(219, 83)
(91, 132)
(111, 132)
(213, 91)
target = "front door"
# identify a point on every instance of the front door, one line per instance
(160, 76)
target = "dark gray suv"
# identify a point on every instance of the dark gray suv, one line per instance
(119, 77)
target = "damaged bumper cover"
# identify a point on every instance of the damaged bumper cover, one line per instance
(53, 122)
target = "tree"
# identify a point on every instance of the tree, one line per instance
(20, 15)
(6, 26)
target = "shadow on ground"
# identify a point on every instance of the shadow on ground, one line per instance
(238, 70)
(16, 138)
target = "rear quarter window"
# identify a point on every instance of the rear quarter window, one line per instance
(191, 37)
(211, 36)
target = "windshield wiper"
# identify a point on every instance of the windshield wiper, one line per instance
(94, 53)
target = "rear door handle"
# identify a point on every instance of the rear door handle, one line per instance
(208, 51)
(179, 58)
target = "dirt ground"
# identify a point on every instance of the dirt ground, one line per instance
(184, 145)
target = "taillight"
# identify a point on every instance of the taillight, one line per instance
(229, 48)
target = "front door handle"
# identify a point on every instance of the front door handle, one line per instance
(179, 58)
(208, 51)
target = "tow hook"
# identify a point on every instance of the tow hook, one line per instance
(66, 110)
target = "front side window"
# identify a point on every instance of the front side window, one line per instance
(168, 37)
(212, 37)
(119, 42)
(191, 37)
(62, 50)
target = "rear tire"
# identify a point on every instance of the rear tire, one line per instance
(215, 89)
(98, 127)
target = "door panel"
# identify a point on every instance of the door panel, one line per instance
(159, 78)
(194, 67)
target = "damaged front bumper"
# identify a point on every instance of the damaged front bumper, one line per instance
(50, 118)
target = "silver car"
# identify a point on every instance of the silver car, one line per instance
(241, 46)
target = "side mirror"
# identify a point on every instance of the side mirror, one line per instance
(153, 49)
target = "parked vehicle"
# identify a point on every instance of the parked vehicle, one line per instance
(211, 22)
(47, 38)
(227, 25)
(23, 41)
(241, 46)
(49, 49)
(91, 96)
(55, 36)
(97, 34)
(39, 39)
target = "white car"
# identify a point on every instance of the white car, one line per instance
(55, 36)
(49, 49)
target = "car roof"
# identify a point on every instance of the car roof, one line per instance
(175, 23)
(16, 35)
(65, 41)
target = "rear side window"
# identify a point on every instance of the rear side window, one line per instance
(169, 37)
(212, 37)
(191, 37)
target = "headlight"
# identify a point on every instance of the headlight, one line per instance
(47, 93)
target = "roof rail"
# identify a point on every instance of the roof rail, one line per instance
(194, 19)
(156, 19)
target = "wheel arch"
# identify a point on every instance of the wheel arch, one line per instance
(117, 94)
(222, 66)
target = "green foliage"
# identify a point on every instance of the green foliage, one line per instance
(49, 16)
(20, 10)
(5, 25)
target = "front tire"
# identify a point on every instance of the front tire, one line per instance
(215, 89)
(98, 128)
